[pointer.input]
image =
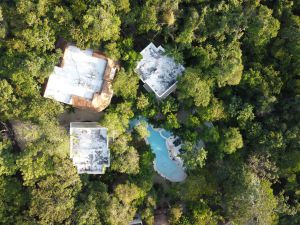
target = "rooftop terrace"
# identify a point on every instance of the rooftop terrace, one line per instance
(89, 147)
(158, 71)
(83, 80)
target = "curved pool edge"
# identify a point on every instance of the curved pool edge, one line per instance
(177, 161)
(168, 178)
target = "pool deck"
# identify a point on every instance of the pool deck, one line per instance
(172, 149)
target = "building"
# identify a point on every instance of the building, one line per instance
(136, 220)
(83, 79)
(89, 147)
(158, 71)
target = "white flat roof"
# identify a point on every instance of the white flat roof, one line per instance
(157, 70)
(89, 147)
(81, 75)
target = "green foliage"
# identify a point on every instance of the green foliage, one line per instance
(128, 55)
(197, 186)
(126, 84)
(243, 113)
(175, 53)
(99, 23)
(175, 213)
(142, 130)
(191, 23)
(54, 197)
(192, 89)
(87, 212)
(202, 214)
(213, 112)
(262, 27)
(13, 199)
(7, 158)
(169, 106)
(125, 157)
(242, 73)
(121, 208)
(242, 209)
(231, 140)
(34, 163)
(142, 102)
(172, 122)
(6, 99)
(148, 213)
(147, 19)
(229, 69)
(117, 119)
(2, 26)
(127, 193)
(194, 156)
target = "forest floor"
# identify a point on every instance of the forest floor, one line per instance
(79, 115)
(24, 132)
(160, 214)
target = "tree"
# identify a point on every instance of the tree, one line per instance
(117, 119)
(128, 55)
(123, 5)
(128, 162)
(87, 213)
(169, 106)
(201, 213)
(13, 200)
(142, 102)
(228, 70)
(126, 84)
(118, 213)
(192, 89)
(7, 158)
(122, 208)
(7, 99)
(2, 26)
(243, 113)
(147, 18)
(231, 140)
(213, 112)
(94, 24)
(194, 155)
(172, 122)
(191, 23)
(263, 166)
(175, 213)
(142, 130)
(40, 37)
(205, 56)
(251, 200)
(128, 192)
(261, 28)
(34, 163)
(149, 207)
(198, 185)
(125, 157)
(54, 197)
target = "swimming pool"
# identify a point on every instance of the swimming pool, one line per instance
(165, 166)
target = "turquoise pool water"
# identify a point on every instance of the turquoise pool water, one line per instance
(165, 166)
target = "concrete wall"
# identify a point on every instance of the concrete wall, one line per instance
(165, 94)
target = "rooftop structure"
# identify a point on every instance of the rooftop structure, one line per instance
(89, 147)
(158, 71)
(83, 79)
